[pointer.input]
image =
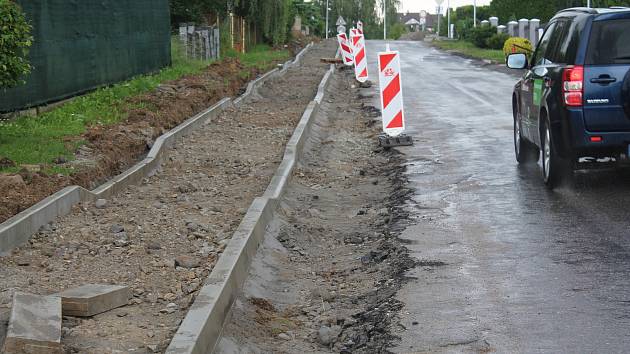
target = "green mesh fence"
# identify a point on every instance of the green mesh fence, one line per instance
(80, 45)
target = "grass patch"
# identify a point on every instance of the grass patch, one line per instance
(261, 57)
(39, 140)
(470, 49)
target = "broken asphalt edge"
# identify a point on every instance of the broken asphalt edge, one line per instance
(201, 329)
(18, 229)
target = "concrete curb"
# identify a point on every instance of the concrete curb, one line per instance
(18, 229)
(253, 85)
(152, 162)
(201, 329)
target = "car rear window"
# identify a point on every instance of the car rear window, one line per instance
(609, 43)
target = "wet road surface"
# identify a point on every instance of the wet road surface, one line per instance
(525, 270)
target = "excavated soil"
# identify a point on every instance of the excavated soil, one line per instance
(162, 238)
(112, 149)
(326, 276)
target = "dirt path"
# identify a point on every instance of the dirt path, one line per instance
(162, 238)
(325, 278)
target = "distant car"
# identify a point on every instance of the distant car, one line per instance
(573, 102)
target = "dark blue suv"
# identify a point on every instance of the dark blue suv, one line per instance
(573, 102)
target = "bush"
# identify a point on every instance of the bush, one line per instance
(497, 41)
(396, 31)
(517, 45)
(463, 28)
(15, 39)
(479, 35)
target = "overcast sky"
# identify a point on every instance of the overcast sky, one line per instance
(430, 5)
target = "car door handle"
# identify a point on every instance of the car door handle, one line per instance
(603, 80)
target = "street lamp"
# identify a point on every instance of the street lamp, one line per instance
(475, 13)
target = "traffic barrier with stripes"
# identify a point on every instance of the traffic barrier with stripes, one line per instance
(354, 32)
(391, 93)
(360, 58)
(360, 27)
(346, 50)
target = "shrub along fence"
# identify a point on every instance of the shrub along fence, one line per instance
(81, 45)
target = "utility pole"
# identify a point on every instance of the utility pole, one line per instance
(475, 13)
(326, 19)
(385, 20)
(439, 14)
(448, 17)
(588, 3)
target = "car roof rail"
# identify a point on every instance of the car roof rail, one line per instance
(585, 10)
(619, 7)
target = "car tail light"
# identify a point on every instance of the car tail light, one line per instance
(573, 85)
(596, 139)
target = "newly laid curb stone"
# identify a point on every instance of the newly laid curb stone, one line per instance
(18, 229)
(201, 329)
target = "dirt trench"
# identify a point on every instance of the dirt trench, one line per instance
(163, 237)
(326, 276)
(110, 149)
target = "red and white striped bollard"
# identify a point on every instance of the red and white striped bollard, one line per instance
(346, 50)
(360, 58)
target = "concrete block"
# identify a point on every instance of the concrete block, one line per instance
(92, 299)
(34, 325)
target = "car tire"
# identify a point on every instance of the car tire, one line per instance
(525, 151)
(552, 165)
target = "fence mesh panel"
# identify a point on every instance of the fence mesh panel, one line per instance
(81, 45)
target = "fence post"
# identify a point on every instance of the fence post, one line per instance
(512, 28)
(522, 25)
(217, 38)
(191, 41)
(533, 31)
(183, 37)
(208, 42)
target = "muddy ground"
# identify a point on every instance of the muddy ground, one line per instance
(325, 277)
(163, 237)
(109, 150)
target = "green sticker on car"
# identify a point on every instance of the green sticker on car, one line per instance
(538, 85)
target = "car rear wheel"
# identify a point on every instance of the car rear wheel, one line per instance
(525, 151)
(551, 163)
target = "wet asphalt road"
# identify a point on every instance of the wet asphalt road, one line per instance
(526, 270)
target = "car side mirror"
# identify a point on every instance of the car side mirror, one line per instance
(517, 61)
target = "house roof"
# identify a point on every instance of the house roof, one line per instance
(404, 17)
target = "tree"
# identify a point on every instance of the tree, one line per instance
(15, 40)
(272, 17)
(367, 11)
(544, 10)
(193, 10)
(311, 15)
